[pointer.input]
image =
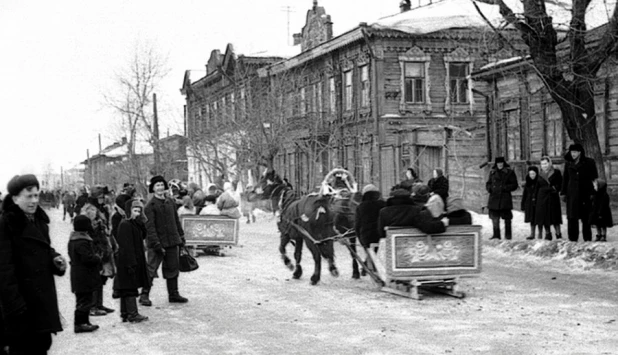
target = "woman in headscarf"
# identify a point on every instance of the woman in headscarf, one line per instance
(548, 210)
(528, 200)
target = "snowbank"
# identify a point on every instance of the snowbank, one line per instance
(580, 255)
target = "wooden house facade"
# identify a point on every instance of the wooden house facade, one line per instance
(524, 122)
(379, 99)
(216, 98)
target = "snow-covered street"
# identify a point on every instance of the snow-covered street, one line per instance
(247, 303)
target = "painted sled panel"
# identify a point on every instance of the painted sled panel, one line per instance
(408, 253)
(210, 230)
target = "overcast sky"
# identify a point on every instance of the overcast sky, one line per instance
(59, 57)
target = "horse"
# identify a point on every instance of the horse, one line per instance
(308, 219)
(344, 209)
(272, 186)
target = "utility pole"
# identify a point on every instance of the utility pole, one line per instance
(155, 133)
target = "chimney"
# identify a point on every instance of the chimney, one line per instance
(405, 5)
(298, 38)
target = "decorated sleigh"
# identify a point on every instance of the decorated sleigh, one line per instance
(210, 234)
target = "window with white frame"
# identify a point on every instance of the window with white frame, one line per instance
(458, 82)
(364, 79)
(414, 82)
(332, 95)
(347, 87)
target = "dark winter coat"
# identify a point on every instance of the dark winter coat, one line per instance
(117, 217)
(548, 209)
(131, 260)
(439, 186)
(27, 287)
(500, 185)
(85, 263)
(528, 199)
(600, 213)
(163, 225)
(80, 202)
(401, 211)
(577, 185)
(366, 218)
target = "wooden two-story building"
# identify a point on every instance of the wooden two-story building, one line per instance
(389, 95)
(376, 100)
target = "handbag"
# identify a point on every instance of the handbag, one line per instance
(187, 262)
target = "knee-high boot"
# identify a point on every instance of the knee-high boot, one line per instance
(508, 231)
(172, 291)
(133, 315)
(144, 299)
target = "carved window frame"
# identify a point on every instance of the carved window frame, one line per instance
(415, 55)
(459, 55)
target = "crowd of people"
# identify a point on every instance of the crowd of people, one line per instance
(427, 207)
(584, 193)
(127, 239)
(119, 237)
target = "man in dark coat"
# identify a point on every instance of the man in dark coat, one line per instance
(579, 173)
(164, 237)
(401, 211)
(85, 278)
(28, 264)
(366, 216)
(81, 200)
(502, 181)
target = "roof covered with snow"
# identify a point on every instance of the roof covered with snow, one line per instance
(440, 16)
(448, 14)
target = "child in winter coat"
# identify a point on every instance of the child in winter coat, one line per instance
(131, 263)
(601, 214)
(210, 209)
(85, 278)
(528, 201)
(187, 207)
(227, 203)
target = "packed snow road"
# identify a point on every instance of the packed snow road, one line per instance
(247, 303)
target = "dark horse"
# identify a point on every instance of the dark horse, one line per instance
(271, 187)
(307, 219)
(344, 210)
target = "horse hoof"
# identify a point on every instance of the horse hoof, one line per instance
(290, 267)
(334, 272)
(314, 280)
(364, 272)
(356, 275)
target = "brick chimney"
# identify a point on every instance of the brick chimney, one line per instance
(405, 5)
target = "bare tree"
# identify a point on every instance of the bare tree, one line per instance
(131, 99)
(568, 77)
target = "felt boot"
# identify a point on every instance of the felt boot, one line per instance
(172, 291)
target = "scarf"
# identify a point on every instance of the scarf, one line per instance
(548, 174)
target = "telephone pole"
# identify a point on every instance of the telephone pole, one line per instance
(288, 10)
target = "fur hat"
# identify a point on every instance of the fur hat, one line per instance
(577, 147)
(99, 191)
(400, 192)
(533, 168)
(369, 188)
(20, 182)
(439, 172)
(82, 223)
(499, 160)
(156, 179)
